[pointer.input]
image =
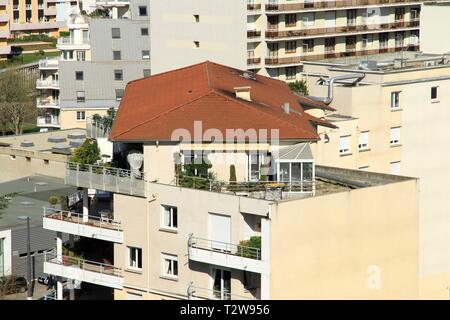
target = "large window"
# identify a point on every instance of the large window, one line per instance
(134, 258)
(291, 73)
(169, 217)
(169, 266)
(291, 46)
(295, 171)
(395, 136)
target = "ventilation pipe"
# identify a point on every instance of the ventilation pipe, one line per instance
(357, 76)
(243, 93)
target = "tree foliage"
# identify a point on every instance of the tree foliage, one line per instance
(106, 121)
(299, 86)
(87, 153)
(17, 103)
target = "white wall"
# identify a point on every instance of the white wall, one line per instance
(221, 33)
(6, 235)
(433, 22)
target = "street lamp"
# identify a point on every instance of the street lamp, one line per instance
(29, 289)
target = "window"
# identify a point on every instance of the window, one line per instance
(197, 44)
(144, 31)
(118, 75)
(351, 17)
(79, 75)
(291, 20)
(363, 143)
(119, 94)
(134, 258)
(169, 266)
(81, 115)
(344, 144)
(395, 100)
(366, 40)
(146, 72)
(142, 11)
(81, 56)
(308, 19)
(291, 72)
(395, 136)
(395, 167)
(434, 94)
(169, 217)
(145, 54)
(117, 55)
(115, 33)
(308, 45)
(291, 46)
(80, 96)
(196, 18)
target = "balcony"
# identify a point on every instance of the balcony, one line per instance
(317, 5)
(225, 254)
(49, 64)
(48, 121)
(199, 293)
(253, 61)
(68, 43)
(349, 29)
(47, 103)
(102, 228)
(253, 6)
(82, 270)
(47, 84)
(113, 3)
(106, 178)
(251, 34)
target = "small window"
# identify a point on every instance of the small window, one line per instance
(344, 144)
(79, 75)
(434, 93)
(81, 115)
(118, 75)
(115, 33)
(134, 258)
(395, 167)
(143, 11)
(395, 136)
(117, 55)
(81, 96)
(363, 143)
(197, 44)
(146, 72)
(169, 217)
(145, 54)
(119, 94)
(395, 100)
(144, 31)
(169, 266)
(196, 18)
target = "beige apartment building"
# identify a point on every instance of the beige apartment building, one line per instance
(434, 20)
(392, 117)
(325, 232)
(4, 30)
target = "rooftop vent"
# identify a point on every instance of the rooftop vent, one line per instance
(286, 107)
(76, 142)
(56, 139)
(368, 65)
(76, 135)
(27, 144)
(249, 75)
(61, 149)
(243, 93)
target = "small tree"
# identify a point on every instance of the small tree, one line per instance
(87, 153)
(299, 86)
(64, 200)
(53, 200)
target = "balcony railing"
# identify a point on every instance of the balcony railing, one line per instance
(73, 217)
(199, 293)
(253, 6)
(47, 102)
(71, 41)
(47, 83)
(305, 32)
(225, 248)
(251, 61)
(330, 4)
(106, 178)
(253, 33)
(46, 121)
(49, 63)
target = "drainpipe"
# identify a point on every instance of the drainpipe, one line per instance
(357, 76)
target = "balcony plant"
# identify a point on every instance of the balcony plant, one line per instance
(195, 175)
(246, 248)
(53, 200)
(87, 154)
(299, 86)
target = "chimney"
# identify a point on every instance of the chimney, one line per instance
(286, 107)
(243, 93)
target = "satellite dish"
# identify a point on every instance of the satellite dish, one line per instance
(135, 160)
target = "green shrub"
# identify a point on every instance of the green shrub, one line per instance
(233, 173)
(87, 153)
(299, 87)
(53, 200)
(245, 248)
(64, 200)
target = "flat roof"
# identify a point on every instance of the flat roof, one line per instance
(31, 195)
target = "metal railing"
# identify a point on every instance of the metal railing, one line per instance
(74, 198)
(49, 63)
(47, 102)
(47, 83)
(199, 293)
(106, 178)
(86, 265)
(225, 248)
(78, 218)
(71, 41)
(305, 5)
(253, 61)
(50, 296)
(53, 120)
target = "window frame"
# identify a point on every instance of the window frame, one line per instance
(115, 35)
(130, 264)
(349, 149)
(361, 145)
(77, 73)
(141, 14)
(116, 72)
(173, 211)
(397, 105)
(436, 99)
(79, 98)
(173, 259)
(79, 117)
(120, 55)
(144, 56)
(395, 142)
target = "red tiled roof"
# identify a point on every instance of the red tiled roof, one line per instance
(152, 108)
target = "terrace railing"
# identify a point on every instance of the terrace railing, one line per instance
(106, 178)
(199, 293)
(225, 248)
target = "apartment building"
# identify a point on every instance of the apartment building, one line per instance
(433, 20)
(97, 60)
(4, 30)
(392, 111)
(170, 233)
